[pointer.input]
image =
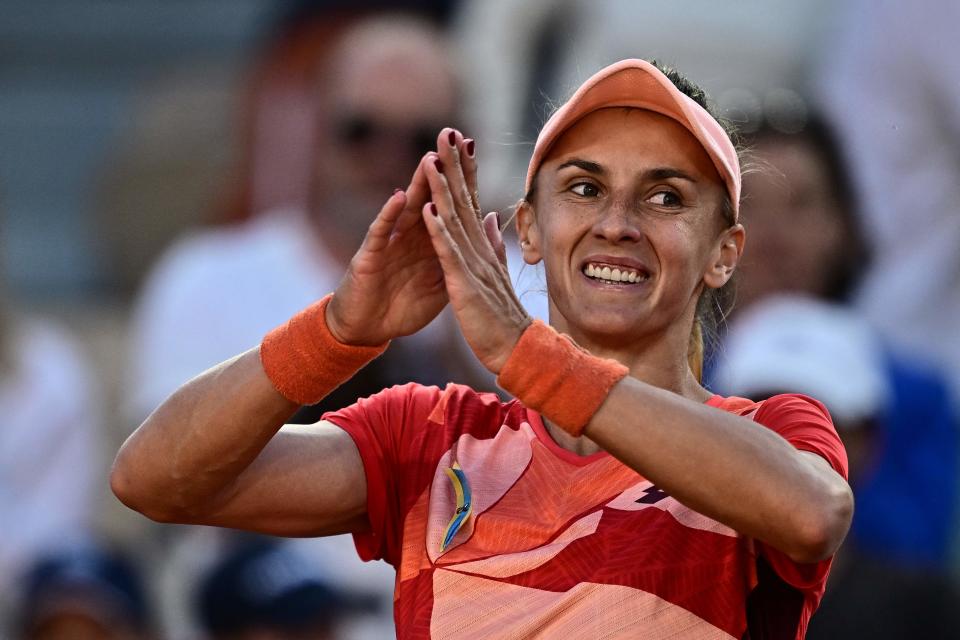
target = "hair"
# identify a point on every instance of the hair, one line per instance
(714, 305)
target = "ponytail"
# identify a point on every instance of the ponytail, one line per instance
(695, 350)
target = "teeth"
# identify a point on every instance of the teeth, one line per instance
(612, 275)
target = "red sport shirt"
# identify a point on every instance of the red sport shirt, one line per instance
(558, 545)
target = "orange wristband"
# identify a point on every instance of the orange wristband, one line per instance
(551, 374)
(305, 362)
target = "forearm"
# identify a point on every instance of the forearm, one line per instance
(190, 450)
(726, 467)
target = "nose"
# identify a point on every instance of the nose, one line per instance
(617, 223)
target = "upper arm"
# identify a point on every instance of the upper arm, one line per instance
(307, 481)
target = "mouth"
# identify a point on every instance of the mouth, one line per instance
(623, 272)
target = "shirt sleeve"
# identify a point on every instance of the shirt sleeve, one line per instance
(382, 426)
(806, 424)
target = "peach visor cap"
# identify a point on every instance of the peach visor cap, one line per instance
(638, 84)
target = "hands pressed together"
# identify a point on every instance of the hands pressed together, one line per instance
(430, 245)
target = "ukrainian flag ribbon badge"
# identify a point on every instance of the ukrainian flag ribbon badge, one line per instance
(464, 503)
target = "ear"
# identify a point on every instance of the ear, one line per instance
(726, 256)
(529, 233)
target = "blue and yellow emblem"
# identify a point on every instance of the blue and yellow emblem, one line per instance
(464, 503)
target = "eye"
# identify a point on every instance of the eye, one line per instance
(665, 199)
(585, 189)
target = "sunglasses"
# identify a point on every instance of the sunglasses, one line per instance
(364, 131)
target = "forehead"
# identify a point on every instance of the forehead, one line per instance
(399, 72)
(629, 139)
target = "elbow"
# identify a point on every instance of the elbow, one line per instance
(823, 526)
(131, 492)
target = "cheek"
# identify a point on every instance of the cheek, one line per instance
(681, 246)
(559, 228)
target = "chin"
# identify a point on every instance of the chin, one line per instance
(608, 325)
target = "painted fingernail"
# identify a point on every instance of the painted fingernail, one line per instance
(452, 138)
(433, 209)
(470, 147)
(438, 165)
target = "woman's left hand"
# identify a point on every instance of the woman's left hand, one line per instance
(472, 255)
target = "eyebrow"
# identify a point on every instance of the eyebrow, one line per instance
(586, 165)
(657, 173)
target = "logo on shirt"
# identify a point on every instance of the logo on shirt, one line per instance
(464, 503)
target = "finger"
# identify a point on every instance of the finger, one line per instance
(448, 253)
(491, 227)
(449, 144)
(378, 234)
(447, 210)
(468, 160)
(418, 194)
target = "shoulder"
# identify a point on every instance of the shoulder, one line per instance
(801, 420)
(784, 409)
(806, 423)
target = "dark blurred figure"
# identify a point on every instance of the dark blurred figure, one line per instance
(881, 585)
(262, 590)
(84, 594)
(799, 211)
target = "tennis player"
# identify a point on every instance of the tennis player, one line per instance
(615, 497)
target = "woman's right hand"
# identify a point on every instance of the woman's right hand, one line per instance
(394, 284)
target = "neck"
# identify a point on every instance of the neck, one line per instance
(658, 358)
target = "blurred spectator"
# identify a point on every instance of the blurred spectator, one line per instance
(382, 98)
(50, 456)
(86, 593)
(278, 103)
(803, 232)
(265, 590)
(888, 581)
(891, 81)
(194, 150)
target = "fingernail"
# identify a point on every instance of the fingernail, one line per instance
(498, 219)
(452, 138)
(438, 165)
(433, 209)
(396, 191)
(470, 147)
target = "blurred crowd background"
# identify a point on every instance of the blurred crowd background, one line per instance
(176, 178)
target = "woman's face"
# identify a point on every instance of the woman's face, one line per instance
(626, 218)
(795, 221)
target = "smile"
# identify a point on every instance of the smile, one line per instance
(609, 274)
